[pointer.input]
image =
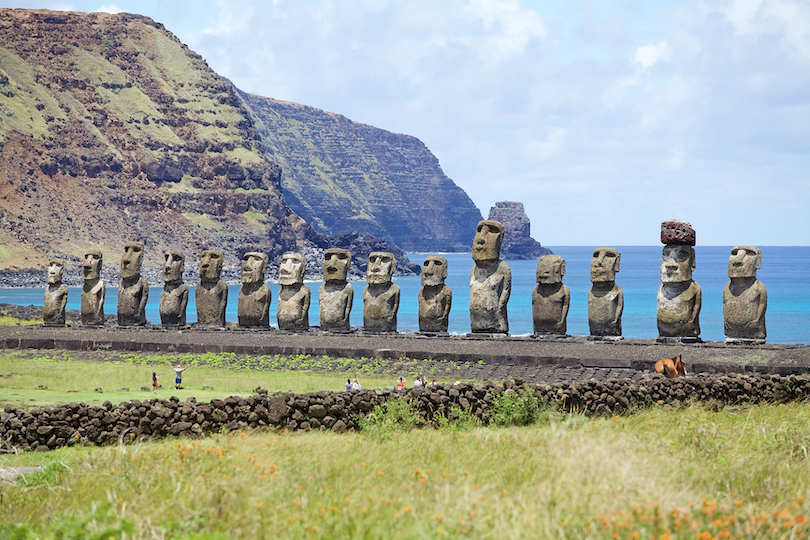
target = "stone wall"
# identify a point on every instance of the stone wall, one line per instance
(46, 428)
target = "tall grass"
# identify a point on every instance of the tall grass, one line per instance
(663, 473)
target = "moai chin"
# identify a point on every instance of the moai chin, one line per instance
(336, 295)
(253, 309)
(93, 289)
(551, 298)
(605, 299)
(381, 295)
(174, 297)
(294, 297)
(133, 291)
(745, 298)
(490, 281)
(53, 307)
(679, 296)
(211, 293)
(435, 298)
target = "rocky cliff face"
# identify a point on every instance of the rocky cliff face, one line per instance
(111, 130)
(344, 176)
(517, 242)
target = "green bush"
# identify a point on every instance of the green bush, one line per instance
(396, 415)
(511, 408)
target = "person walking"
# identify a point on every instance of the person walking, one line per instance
(178, 376)
(154, 382)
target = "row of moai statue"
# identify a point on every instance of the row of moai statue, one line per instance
(679, 296)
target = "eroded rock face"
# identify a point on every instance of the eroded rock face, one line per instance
(294, 296)
(679, 297)
(551, 298)
(745, 298)
(381, 295)
(133, 292)
(518, 242)
(336, 295)
(174, 297)
(605, 299)
(211, 293)
(490, 281)
(253, 309)
(94, 289)
(53, 307)
(435, 298)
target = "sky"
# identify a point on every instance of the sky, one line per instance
(604, 118)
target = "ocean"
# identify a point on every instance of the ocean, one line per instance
(785, 272)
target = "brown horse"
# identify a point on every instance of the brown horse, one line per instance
(671, 367)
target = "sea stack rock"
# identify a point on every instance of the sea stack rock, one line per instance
(517, 242)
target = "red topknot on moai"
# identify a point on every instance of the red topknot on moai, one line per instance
(677, 232)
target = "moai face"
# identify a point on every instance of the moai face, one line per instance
(173, 266)
(91, 265)
(604, 265)
(254, 265)
(55, 269)
(292, 269)
(487, 241)
(434, 271)
(677, 263)
(550, 269)
(744, 262)
(336, 263)
(131, 260)
(210, 265)
(381, 266)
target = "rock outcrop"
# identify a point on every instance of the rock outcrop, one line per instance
(518, 242)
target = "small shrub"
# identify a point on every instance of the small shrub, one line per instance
(396, 415)
(511, 408)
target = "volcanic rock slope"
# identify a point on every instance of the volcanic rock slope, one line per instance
(345, 176)
(111, 130)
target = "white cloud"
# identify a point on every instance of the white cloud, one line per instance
(649, 55)
(109, 8)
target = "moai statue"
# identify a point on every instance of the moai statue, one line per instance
(94, 289)
(744, 297)
(435, 298)
(490, 281)
(381, 295)
(551, 298)
(174, 298)
(53, 308)
(133, 292)
(679, 297)
(294, 297)
(211, 293)
(253, 309)
(605, 299)
(336, 294)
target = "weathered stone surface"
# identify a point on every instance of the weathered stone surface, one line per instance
(94, 289)
(677, 232)
(133, 291)
(518, 242)
(605, 299)
(294, 296)
(490, 281)
(435, 298)
(253, 309)
(174, 296)
(679, 297)
(336, 295)
(745, 298)
(53, 307)
(211, 293)
(551, 298)
(381, 295)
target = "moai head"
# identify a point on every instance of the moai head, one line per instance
(91, 265)
(550, 269)
(173, 266)
(677, 263)
(254, 265)
(434, 271)
(487, 241)
(336, 263)
(292, 269)
(744, 262)
(210, 265)
(604, 265)
(381, 266)
(55, 269)
(131, 260)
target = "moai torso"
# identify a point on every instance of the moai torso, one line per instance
(435, 298)
(211, 294)
(93, 290)
(551, 298)
(294, 297)
(679, 297)
(490, 281)
(174, 297)
(253, 309)
(381, 295)
(53, 307)
(745, 298)
(133, 291)
(605, 299)
(336, 295)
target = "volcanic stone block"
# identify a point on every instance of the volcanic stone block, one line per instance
(677, 232)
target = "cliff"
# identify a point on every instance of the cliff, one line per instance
(517, 242)
(343, 176)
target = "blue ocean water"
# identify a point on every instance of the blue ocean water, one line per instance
(785, 272)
